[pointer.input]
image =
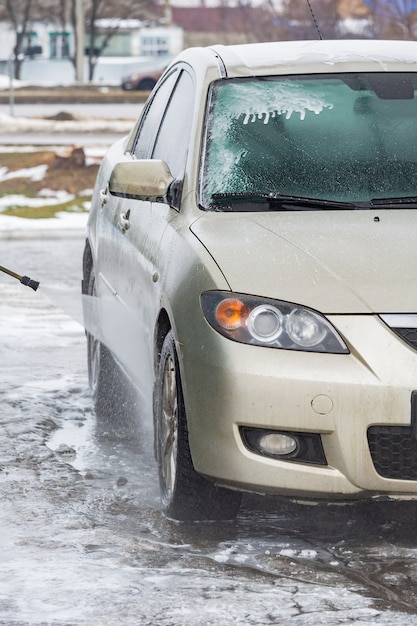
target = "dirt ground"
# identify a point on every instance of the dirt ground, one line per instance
(67, 169)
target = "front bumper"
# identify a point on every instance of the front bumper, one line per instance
(229, 385)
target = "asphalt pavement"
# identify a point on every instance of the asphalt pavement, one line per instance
(61, 139)
(103, 110)
(67, 122)
(88, 94)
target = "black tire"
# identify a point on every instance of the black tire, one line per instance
(109, 388)
(186, 495)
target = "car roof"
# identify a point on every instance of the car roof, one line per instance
(315, 56)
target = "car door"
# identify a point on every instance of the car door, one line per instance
(163, 134)
(114, 279)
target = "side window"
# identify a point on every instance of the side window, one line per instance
(152, 118)
(173, 137)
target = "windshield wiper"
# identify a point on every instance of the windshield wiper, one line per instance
(275, 202)
(392, 202)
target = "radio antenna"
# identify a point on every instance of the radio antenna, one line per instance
(314, 20)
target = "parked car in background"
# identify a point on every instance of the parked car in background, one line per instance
(255, 237)
(144, 79)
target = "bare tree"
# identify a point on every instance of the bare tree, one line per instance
(396, 19)
(295, 19)
(308, 19)
(18, 13)
(61, 13)
(21, 14)
(97, 37)
(301, 19)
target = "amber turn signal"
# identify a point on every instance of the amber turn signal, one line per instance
(231, 313)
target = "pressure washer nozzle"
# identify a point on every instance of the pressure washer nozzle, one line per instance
(25, 280)
(33, 284)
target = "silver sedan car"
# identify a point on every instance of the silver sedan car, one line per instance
(249, 267)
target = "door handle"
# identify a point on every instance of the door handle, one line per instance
(124, 221)
(104, 195)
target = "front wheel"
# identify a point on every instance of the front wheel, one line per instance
(185, 494)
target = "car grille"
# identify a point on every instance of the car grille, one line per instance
(394, 451)
(409, 335)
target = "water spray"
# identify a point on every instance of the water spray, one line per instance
(25, 280)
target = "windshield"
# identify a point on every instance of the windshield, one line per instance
(341, 138)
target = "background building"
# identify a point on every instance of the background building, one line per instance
(48, 52)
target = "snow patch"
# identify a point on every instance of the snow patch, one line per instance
(11, 125)
(15, 200)
(33, 173)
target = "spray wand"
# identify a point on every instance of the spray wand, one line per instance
(25, 280)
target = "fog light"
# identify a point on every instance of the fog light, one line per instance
(277, 444)
(285, 445)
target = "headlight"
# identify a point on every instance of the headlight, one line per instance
(271, 323)
(265, 323)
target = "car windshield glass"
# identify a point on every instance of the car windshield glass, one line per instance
(334, 138)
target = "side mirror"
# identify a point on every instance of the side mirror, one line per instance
(141, 180)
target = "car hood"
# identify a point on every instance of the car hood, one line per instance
(333, 261)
